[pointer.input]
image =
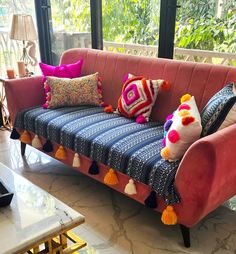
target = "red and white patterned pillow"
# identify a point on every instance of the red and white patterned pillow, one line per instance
(138, 97)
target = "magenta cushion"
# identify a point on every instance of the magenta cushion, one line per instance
(62, 71)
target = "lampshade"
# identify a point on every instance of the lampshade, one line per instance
(22, 28)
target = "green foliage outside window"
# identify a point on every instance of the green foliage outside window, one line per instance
(198, 26)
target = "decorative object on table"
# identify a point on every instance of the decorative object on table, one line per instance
(10, 73)
(220, 111)
(23, 29)
(5, 195)
(21, 69)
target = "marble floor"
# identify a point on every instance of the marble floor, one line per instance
(116, 224)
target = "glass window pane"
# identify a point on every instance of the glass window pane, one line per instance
(131, 26)
(206, 25)
(71, 26)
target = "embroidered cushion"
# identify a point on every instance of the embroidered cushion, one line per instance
(220, 111)
(73, 92)
(181, 129)
(137, 98)
(62, 71)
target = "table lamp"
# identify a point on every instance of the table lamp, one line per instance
(23, 29)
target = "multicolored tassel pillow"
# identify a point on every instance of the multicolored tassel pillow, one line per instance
(72, 92)
(181, 129)
(138, 97)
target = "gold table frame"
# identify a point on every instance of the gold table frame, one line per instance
(56, 243)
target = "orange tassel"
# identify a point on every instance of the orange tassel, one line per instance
(165, 85)
(169, 216)
(185, 97)
(60, 153)
(111, 177)
(108, 109)
(25, 137)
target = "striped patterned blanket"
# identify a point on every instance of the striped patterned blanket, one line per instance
(113, 140)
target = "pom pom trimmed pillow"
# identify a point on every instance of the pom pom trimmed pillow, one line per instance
(73, 92)
(62, 71)
(138, 97)
(181, 129)
(220, 111)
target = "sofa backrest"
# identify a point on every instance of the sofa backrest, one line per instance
(198, 79)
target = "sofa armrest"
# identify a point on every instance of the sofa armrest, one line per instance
(23, 93)
(207, 174)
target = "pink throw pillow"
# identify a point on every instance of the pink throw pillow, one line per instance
(62, 71)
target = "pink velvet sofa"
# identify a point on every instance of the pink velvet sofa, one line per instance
(206, 176)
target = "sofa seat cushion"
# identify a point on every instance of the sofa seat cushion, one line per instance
(111, 139)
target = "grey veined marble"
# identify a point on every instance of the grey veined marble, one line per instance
(115, 224)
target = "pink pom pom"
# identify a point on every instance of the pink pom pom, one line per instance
(173, 136)
(184, 106)
(45, 105)
(141, 119)
(125, 78)
(47, 89)
(169, 117)
(48, 97)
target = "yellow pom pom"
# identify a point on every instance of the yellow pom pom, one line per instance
(111, 177)
(184, 112)
(165, 152)
(185, 97)
(169, 216)
(60, 153)
(25, 137)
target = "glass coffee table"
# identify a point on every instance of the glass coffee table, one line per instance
(35, 221)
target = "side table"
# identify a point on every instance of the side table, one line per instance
(5, 120)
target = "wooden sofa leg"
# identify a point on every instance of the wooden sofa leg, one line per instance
(186, 235)
(22, 148)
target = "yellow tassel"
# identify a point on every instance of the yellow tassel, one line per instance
(185, 97)
(60, 153)
(25, 137)
(130, 188)
(36, 142)
(76, 161)
(111, 177)
(165, 153)
(169, 216)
